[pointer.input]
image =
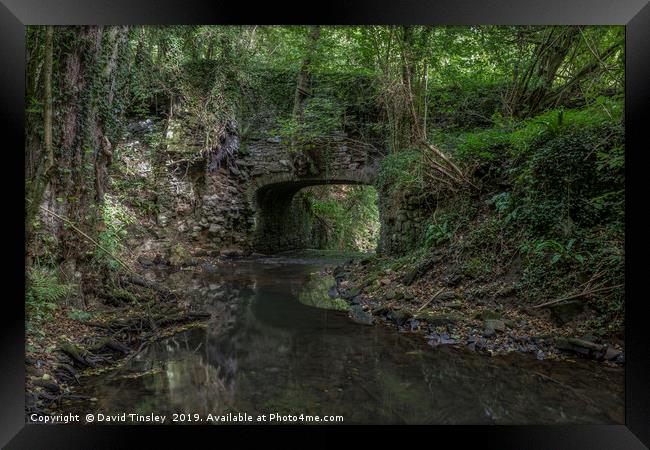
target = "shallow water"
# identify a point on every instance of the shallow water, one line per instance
(266, 351)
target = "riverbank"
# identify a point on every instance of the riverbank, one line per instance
(70, 344)
(485, 318)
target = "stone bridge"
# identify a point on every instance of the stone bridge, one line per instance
(256, 203)
(278, 174)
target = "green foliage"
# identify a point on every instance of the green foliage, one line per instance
(501, 202)
(511, 138)
(437, 233)
(321, 121)
(400, 171)
(565, 184)
(553, 198)
(464, 104)
(116, 218)
(340, 103)
(210, 91)
(79, 315)
(483, 145)
(44, 292)
(555, 122)
(347, 216)
(555, 251)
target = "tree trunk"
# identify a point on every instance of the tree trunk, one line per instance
(303, 88)
(534, 83)
(69, 151)
(44, 169)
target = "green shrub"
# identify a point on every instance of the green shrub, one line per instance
(483, 145)
(554, 185)
(564, 183)
(512, 138)
(556, 251)
(466, 104)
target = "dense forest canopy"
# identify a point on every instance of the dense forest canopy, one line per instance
(514, 132)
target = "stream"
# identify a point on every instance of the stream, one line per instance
(268, 349)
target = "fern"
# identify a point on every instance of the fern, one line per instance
(44, 291)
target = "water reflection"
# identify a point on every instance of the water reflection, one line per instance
(266, 352)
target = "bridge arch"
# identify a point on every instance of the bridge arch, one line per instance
(282, 221)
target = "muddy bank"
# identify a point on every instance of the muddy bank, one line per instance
(452, 315)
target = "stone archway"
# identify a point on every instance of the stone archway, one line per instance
(282, 217)
(258, 204)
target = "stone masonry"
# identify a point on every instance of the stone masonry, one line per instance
(255, 203)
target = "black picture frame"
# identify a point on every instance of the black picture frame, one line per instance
(634, 14)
